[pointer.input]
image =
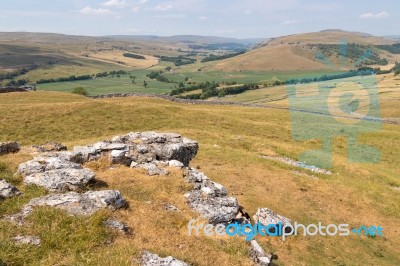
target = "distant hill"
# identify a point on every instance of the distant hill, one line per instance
(299, 52)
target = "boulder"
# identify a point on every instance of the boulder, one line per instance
(9, 147)
(61, 180)
(259, 256)
(74, 203)
(266, 217)
(150, 259)
(27, 240)
(210, 199)
(215, 209)
(42, 164)
(7, 190)
(159, 146)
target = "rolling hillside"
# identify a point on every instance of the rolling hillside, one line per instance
(299, 52)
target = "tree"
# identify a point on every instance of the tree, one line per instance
(133, 78)
(145, 84)
(80, 91)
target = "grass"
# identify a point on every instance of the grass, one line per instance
(231, 140)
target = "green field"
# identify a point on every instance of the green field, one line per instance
(99, 86)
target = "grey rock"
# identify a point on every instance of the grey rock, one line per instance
(259, 256)
(210, 199)
(266, 217)
(9, 147)
(50, 147)
(26, 240)
(117, 225)
(61, 180)
(176, 164)
(7, 190)
(41, 164)
(74, 203)
(153, 169)
(215, 209)
(150, 259)
(159, 146)
(134, 164)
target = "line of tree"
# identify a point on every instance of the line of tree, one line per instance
(17, 83)
(354, 52)
(393, 48)
(64, 79)
(177, 60)
(83, 77)
(211, 90)
(19, 72)
(110, 73)
(396, 69)
(157, 75)
(135, 56)
(349, 74)
(220, 57)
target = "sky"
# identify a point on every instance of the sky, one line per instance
(228, 18)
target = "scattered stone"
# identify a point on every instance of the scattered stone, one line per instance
(74, 203)
(291, 162)
(170, 208)
(266, 217)
(150, 259)
(153, 169)
(7, 190)
(259, 256)
(50, 147)
(117, 225)
(176, 164)
(210, 199)
(9, 147)
(27, 240)
(61, 180)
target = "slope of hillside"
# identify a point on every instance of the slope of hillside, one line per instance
(299, 52)
(231, 140)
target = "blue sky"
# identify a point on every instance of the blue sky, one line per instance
(230, 18)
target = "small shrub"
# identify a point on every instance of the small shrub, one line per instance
(80, 91)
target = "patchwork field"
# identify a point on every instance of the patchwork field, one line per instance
(231, 141)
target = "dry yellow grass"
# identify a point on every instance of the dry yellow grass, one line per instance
(282, 57)
(231, 140)
(116, 57)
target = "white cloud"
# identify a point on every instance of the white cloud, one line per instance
(371, 15)
(247, 12)
(164, 7)
(290, 22)
(115, 3)
(142, 1)
(202, 18)
(135, 9)
(95, 11)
